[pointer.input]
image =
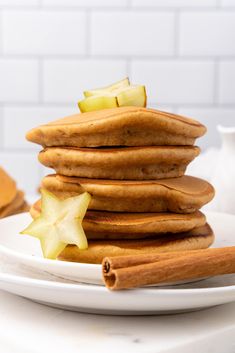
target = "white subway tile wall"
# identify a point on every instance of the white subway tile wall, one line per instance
(131, 33)
(175, 81)
(15, 138)
(211, 117)
(174, 3)
(50, 50)
(227, 82)
(19, 80)
(65, 80)
(228, 3)
(44, 32)
(85, 3)
(19, 2)
(208, 33)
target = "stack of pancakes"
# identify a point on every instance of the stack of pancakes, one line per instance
(11, 199)
(132, 161)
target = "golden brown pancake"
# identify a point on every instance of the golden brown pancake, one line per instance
(185, 194)
(24, 208)
(18, 205)
(7, 188)
(110, 225)
(136, 163)
(125, 126)
(198, 238)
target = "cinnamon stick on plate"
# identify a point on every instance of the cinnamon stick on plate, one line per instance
(124, 272)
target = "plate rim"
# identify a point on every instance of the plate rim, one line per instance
(43, 283)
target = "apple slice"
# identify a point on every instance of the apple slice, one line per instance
(97, 102)
(128, 96)
(60, 223)
(132, 96)
(108, 89)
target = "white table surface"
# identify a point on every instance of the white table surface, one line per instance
(29, 327)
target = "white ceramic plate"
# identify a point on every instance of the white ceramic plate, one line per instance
(146, 301)
(24, 253)
(26, 250)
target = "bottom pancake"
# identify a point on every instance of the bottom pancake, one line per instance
(110, 225)
(198, 238)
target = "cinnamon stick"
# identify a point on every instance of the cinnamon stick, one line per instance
(135, 271)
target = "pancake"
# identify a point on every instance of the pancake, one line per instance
(110, 225)
(7, 189)
(185, 194)
(198, 238)
(136, 163)
(125, 126)
(18, 205)
(23, 208)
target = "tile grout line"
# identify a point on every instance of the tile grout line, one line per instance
(100, 57)
(216, 83)
(88, 33)
(40, 4)
(176, 33)
(40, 80)
(129, 6)
(49, 104)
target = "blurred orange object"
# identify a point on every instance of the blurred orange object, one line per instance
(11, 199)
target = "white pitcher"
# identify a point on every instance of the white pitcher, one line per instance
(223, 178)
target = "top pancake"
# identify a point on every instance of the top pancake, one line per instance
(125, 126)
(7, 188)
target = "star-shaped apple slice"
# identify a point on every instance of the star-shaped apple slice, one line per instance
(60, 223)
